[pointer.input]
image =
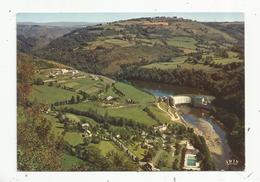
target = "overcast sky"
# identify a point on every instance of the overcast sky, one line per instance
(109, 17)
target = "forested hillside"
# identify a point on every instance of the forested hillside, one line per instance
(104, 48)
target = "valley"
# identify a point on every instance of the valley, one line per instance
(105, 91)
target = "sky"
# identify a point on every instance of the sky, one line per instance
(109, 17)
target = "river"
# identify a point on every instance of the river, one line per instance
(198, 118)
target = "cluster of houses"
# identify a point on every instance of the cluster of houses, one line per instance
(62, 71)
(87, 133)
(94, 77)
(160, 128)
(189, 156)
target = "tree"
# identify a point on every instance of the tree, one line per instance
(25, 75)
(95, 140)
(175, 164)
(38, 81)
(78, 99)
(86, 140)
(72, 100)
(118, 162)
(221, 52)
(37, 149)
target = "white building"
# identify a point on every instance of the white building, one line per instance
(160, 128)
(174, 100)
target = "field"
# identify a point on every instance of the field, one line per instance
(106, 147)
(57, 128)
(179, 64)
(163, 117)
(50, 94)
(77, 118)
(74, 138)
(163, 158)
(137, 150)
(182, 42)
(69, 161)
(133, 112)
(134, 93)
(225, 61)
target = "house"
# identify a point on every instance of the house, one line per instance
(146, 145)
(87, 133)
(85, 125)
(148, 166)
(164, 136)
(109, 98)
(94, 77)
(74, 72)
(144, 134)
(118, 136)
(201, 101)
(160, 128)
(64, 71)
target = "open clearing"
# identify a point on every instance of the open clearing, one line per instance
(180, 65)
(135, 113)
(106, 147)
(182, 42)
(50, 94)
(69, 161)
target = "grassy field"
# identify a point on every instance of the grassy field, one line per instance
(78, 118)
(57, 128)
(164, 156)
(50, 94)
(84, 106)
(134, 112)
(182, 42)
(149, 42)
(137, 150)
(226, 60)
(173, 65)
(74, 138)
(90, 86)
(134, 93)
(105, 147)
(163, 117)
(68, 161)
(109, 43)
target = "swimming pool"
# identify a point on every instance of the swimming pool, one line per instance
(191, 161)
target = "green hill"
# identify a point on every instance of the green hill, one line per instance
(105, 48)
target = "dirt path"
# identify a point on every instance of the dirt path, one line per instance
(171, 115)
